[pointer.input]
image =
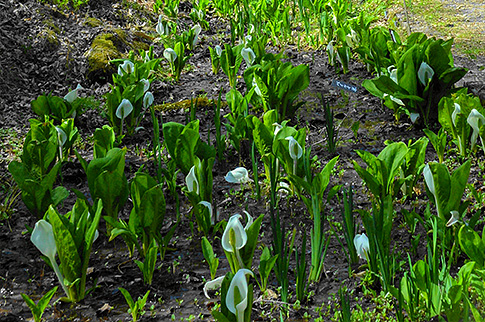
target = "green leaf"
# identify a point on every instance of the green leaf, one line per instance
(171, 132)
(58, 195)
(247, 252)
(370, 180)
(266, 264)
(209, 256)
(128, 298)
(263, 138)
(104, 140)
(88, 240)
(114, 162)
(392, 157)
(321, 181)
(36, 312)
(66, 248)
(472, 245)
(219, 317)
(459, 179)
(44, 301)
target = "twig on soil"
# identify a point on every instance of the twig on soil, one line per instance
(261, 300)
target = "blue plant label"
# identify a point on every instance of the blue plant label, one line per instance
(345, 86)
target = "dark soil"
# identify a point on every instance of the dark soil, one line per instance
(32, 65)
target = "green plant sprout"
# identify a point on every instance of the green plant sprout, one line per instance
(71, 238)
(136, 308)
(39, 308)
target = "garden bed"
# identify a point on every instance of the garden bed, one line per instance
(46, 50)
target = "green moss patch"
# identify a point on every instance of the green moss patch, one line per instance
(104, 48)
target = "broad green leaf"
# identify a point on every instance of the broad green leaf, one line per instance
(210, 257)
(452, 75)
(263, 138)
(152, 209)
(171, 132)
(71, 264)
(185, 149)
(392, 157)
(407, 72)
(104, 139)
(370, 180)
(58, 195)
(321, 181)
(472, 245)
(114, 161)
(437, 57)
(111, 187)
(459, 179)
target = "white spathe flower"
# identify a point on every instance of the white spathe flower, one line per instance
(455, 217)
(191, 181)
(429, 179)
(283, 188)
(238, 284)
(170, 55)
(162, 27)
(392, 73)
(248, 55)
(208, 205)
(234, 227)
(238, 175)
(249, 222)
(200, 14)
(247, 39)
(197, 29)
(148, 99)
(124, 109)
(396, 100)
(414, 117)
(425, 73)
(146, 84)
(456, 111)
(72, 95)
(43, 238)
(215, 284)
(474, 119)
(126, 68)
(277, 128)
(257, 90)
(61, 139)
(218, 50)
(352, 39)
(294, 148)
(361, 243)
(61, 136)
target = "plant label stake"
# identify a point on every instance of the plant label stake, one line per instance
(347, 87)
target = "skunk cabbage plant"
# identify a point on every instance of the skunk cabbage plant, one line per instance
(237, 294)
(361, 243)
(71, 237)
(238, 175)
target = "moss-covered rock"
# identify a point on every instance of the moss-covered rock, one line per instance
(201, 102)
(93, 22)
(105, 47)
